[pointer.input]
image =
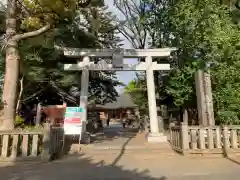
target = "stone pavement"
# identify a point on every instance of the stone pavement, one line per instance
(123, 166)
(115, 137)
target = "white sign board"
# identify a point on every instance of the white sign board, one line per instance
(70, 129)
(73, 121)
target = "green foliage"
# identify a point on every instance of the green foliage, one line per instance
(19, 121)
(138, 92)
(226, 92)
(180, 86)
(228, 117)
(37, 13)
(205, 32)
(42, 65)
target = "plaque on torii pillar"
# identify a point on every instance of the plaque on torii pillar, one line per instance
(117, 55)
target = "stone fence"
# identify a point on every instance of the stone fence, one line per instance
(212, 140)
(44, 144)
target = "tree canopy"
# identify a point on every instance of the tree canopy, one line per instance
(206, 34)
(41, 25)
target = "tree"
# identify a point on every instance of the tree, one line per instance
(204, 36)
(132, 26)
(45, 66)
(24, 20)
(145, 27)
(205, 32)
(138, 91)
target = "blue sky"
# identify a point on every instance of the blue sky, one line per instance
(124, 76)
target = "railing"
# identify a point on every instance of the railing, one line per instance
(202, 140)
(205, 140)
(31, 145)
(20, 144)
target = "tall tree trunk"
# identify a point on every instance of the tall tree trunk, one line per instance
(12, 63)
(20, 94)
(10, 88)
(11, 69)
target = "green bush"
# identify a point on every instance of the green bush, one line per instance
(19, 121)
(228, 117)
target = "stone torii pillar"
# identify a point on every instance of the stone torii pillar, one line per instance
(155, 135)
(84, 93)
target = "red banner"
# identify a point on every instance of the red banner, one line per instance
(72, 120)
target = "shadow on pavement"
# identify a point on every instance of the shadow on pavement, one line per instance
(122, 151)
(112, 133)
(233, 160)
(75, 167)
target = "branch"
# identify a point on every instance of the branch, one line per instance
(137, 34)
(84, 3)
(40, 31)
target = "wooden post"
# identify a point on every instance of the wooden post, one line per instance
(210, 138)
(184, 138)
(46, 153)
(15, 146)
(146, 124)
(38, 115)
(185, 117)
(171, 132)
(5, 145)
(225, 141)
(201, 139)
(25, 145)
(218, 138)
(234, 143)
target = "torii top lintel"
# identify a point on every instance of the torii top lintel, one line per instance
(126, 53)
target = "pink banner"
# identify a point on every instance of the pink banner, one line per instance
(72, 120)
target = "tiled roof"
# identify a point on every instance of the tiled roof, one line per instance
(123, 101)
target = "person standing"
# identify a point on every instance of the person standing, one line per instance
(124, 120)
(108, 121)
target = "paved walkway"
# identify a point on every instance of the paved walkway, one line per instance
(127, 166)
(123, 164)
(115, 137)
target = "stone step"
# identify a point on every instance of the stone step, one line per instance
(166, 149)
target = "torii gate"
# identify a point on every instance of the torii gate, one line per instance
(117, 55)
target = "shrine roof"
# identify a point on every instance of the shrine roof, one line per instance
(123, 101)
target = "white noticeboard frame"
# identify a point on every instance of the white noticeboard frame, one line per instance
(72, 129)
